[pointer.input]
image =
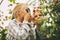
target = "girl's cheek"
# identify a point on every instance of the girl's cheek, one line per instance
(36, 18)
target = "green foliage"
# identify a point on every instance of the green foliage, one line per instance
(51, 25)
(10, 11)
(10, 17)
(12, 1)
(39, 21)
(3, 34)
(57, 7)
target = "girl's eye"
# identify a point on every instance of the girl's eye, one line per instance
(40, 15)
(35, 16)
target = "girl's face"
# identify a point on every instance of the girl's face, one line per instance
(38, 16)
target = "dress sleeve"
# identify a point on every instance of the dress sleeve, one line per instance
(28, 32)
(24, 32)
(11, 32)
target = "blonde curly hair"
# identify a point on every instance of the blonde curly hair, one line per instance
(19, 7)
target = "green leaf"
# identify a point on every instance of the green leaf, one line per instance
(12, 1)
(10, 12)
(10, 17)
(3, 34)
(53, 25)
(43, 7)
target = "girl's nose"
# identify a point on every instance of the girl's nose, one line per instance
(38, 17)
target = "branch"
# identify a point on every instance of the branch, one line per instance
(1, 1)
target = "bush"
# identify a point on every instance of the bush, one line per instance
(3, 34)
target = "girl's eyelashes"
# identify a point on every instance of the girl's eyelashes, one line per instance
(27, 10)
(35, 16)
(40, 15)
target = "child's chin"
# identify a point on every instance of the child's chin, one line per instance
(40, 22)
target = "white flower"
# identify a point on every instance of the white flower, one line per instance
(48, 24)
(50, 20)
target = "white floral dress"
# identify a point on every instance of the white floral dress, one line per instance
(21, 31)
